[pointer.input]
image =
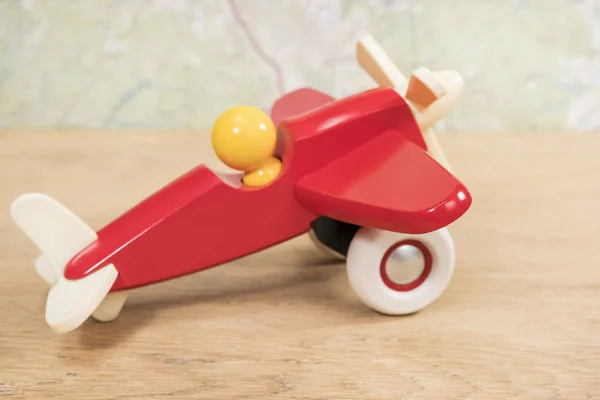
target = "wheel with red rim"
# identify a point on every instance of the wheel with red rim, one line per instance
(399, 274)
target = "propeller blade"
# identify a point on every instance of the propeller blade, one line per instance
(423, 87)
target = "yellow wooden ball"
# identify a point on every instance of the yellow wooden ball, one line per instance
(244, 137)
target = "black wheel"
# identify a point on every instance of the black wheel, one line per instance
(333, 236)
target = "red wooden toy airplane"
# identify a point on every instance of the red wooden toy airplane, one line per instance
(363, 175)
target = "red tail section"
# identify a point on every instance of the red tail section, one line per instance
(298, 102)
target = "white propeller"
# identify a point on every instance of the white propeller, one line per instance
(59, 234)
(430, 94)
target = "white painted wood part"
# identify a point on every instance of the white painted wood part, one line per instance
(60, 234)
(71, 302)
(447, 86)
(453, 85)
(45, 271)
(424, 88)
(435, 150)
(111, 307)
(375, 61)
(56, 231)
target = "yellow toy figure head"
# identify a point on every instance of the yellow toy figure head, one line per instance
(244, 138)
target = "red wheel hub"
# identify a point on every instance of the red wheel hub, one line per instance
(405, 287)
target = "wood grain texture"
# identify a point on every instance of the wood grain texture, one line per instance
(520, 319)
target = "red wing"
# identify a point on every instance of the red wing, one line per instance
(298, 102)
(389, 183)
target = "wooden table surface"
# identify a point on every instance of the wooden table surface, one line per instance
(520, 320)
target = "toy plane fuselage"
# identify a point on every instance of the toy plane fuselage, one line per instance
(361, 159)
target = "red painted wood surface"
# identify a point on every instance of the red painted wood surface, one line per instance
(359, 159)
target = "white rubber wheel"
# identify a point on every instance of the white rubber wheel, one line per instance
(370, 254)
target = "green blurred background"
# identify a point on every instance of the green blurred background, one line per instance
(176, 64)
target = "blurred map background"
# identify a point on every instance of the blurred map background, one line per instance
(176, 64)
